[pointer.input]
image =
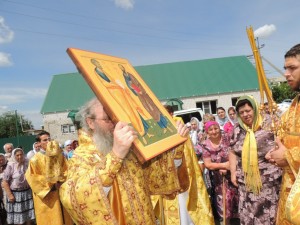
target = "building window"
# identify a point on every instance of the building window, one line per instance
(67, 128)
(175, 103)
(208, 106)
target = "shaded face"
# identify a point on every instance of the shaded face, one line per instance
(44, 141)
(8, 148)
(101, 119)
(266, 108)
(75, 144)
(214, 131)
(292, 72)
(232, 114)
(194, 125)
(246, 114)
(2, 160)
(37, 146)
(68, 147)
(221, 114)
(19, 156)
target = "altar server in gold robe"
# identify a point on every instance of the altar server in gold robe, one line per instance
(45, 173)
(287, 152)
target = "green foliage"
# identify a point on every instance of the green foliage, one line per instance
(12, 125)
(282, 91)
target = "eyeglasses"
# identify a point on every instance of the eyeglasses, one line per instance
(106, 120)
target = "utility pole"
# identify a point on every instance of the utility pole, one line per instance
(273, 66)
(17, 129)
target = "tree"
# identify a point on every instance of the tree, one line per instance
(13, 124)
(282, 91)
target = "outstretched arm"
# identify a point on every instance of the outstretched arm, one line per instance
(232, 165)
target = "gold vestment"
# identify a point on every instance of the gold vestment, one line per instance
(198, 202)
(288, 210)
(128, 201)
(47, 206)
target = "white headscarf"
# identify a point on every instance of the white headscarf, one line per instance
(23, 165)
(194, 133)
(233, 122)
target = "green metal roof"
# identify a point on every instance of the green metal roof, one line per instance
(170, 80)
(200, 77)
(66, 92)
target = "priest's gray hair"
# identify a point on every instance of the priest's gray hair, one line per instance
(88, 111)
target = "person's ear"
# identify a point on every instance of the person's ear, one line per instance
(90, 123)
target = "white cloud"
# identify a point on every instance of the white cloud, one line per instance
(265, 31)
(125, 4)
(5, 59)
(17, 95)
(6, 34)
(14, 98)
(35, 117)
(3, 108)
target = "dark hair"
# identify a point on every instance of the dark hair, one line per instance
(38, 136)
(231, 108)
(169, 109)
(293, 52)
(242, 103)
(221, 108)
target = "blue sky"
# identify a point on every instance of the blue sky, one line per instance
(34, 36)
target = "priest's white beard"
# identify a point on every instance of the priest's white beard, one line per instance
(103, 140)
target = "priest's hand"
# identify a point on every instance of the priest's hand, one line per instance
(182, 130)
(124, 135)
(277, 155)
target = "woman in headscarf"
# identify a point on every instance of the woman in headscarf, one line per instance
(35, 149)
(215, 156)
(258, 180)
(221, 117)
(194, 135)
(228, 127)
(19, 204)
(3, 164)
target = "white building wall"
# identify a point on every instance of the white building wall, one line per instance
(223, 100)
(53, 122)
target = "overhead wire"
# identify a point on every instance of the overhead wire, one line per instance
(101, 19)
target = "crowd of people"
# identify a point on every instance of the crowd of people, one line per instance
(25, 185)
(230, 170)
